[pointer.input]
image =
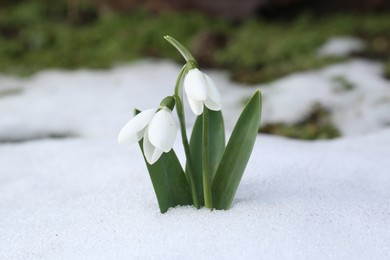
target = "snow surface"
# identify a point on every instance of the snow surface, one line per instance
(86, 197)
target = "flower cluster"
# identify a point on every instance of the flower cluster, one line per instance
(158, 128)
(213, 169)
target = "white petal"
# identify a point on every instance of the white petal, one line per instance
(162, 130)
(133, 130)
(214, 98)
(152, 154)
(210, 104)
(195, 85)
(196, 106)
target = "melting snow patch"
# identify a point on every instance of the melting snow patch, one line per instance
(362, 107)
(341, 46)
(98, 103)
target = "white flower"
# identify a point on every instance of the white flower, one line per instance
(158, 130)
(200, 89)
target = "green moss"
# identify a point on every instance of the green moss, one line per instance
(273, 70)
(342, 84)
(10, 92)
(387, 69)
(54, 135)
(317, 125)
(31, 41)
(375, 31)
(263, 51)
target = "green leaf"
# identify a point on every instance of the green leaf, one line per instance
(236, 155)
(169, 181)
(216, 147)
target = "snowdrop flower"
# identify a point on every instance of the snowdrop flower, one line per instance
(158, 129)
(200, 89)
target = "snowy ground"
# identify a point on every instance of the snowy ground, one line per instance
(85, 197)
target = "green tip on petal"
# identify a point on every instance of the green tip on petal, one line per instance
(168, 102)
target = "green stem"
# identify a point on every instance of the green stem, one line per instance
(208, 201)
(180, 114)
(191, 63)
(179, 80)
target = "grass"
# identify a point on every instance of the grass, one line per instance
(387, 69)
(31, 40)
(317, 125)
(261, 51)
(10, 92)
(35, 35)
(342, 84)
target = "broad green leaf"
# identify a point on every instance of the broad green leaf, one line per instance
(169, 181)
(216, 147)
(236, 155)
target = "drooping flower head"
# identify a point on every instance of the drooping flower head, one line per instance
(157, 128)
(201, 90)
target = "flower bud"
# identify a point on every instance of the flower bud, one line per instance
(168, 102)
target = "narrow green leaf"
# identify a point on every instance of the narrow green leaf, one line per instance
(169, 181)
(236, 155)
(216, 148)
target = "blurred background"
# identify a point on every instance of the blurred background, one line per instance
(256, 41)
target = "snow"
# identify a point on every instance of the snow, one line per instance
(86, 197)
(341, 46)
(90, 199)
